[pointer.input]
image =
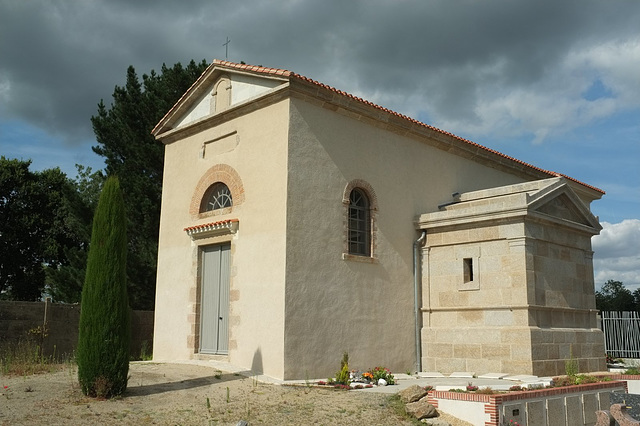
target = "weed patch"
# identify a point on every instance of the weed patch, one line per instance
(24, 358)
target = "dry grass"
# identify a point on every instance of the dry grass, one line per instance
(24, 358)
(170, 394)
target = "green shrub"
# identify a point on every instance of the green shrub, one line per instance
(571, 365)
(342, 376)
(104, 330)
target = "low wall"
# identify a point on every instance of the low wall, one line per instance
(22, 320)
(570, 405)
(633, 382)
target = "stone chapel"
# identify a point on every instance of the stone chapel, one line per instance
(299, 222)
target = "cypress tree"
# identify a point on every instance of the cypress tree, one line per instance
(104, 330)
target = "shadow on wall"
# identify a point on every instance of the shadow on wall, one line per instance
(256, 365)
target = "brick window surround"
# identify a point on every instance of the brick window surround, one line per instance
(218, 173)
(373, 212)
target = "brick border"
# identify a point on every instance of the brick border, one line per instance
(195, 293)
(492, 403)
(219, 173)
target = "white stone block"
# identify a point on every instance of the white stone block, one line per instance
(403, 376)
(430, 374)
(521, 378)
(493, 376)
(462, 374)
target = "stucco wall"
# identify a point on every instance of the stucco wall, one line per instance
(335, 305)
(255, 146)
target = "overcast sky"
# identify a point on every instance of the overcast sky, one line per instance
(553, 83)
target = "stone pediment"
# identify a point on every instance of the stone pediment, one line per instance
(548, 199)
(218, 89)
(559, 202)
(561, 207)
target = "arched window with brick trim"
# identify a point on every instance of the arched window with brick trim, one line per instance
(218, 192)
(360, 210)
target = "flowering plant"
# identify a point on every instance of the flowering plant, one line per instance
(368, 376)
(611, 360)
(381, 373)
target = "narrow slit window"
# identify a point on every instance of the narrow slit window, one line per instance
(467, 266)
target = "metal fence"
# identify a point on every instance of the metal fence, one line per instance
(621, 334)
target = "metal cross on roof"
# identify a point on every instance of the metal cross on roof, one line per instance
(226, 48)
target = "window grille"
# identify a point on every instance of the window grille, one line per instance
(359, 233)
(217, 197)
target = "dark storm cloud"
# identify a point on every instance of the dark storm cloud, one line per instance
(447, 51)
(60, 58)
(439, 58)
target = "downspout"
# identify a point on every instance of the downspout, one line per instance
(416, 309)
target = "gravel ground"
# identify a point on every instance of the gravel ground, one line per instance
(181, 394)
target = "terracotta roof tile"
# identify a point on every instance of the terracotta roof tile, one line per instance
(290, 74)
(204, 226)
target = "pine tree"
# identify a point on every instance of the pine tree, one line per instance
(104, 333)
(123, 132)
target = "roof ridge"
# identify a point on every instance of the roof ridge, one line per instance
(286, 73)
(255, 68)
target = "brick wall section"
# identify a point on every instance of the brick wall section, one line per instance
(493, 403)
(18, 318)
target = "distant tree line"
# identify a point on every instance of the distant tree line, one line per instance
(46, 217)
(614, 296)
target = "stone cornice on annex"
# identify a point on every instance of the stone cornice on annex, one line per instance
(323, 95)
(514, 201)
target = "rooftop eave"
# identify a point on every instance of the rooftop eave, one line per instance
(442, 220)
(591, 229)
(339, 100)
(358, 108)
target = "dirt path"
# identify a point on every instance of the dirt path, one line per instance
(178, 394)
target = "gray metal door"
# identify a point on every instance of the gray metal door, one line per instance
(214, 302)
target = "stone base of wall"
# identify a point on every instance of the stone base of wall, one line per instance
(512, 350)
(552, 347)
